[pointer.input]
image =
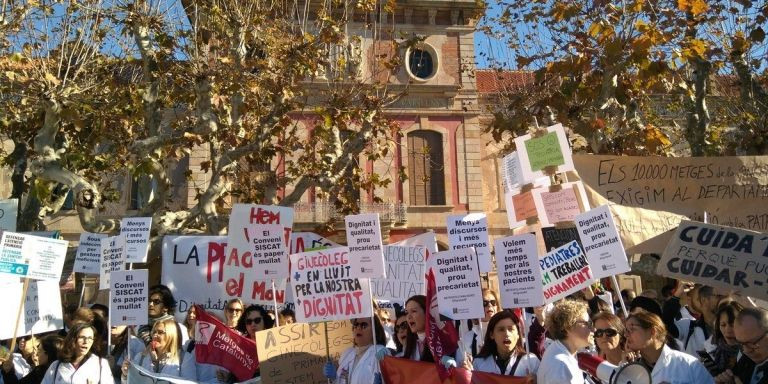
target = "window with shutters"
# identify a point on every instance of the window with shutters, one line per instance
(426, 172)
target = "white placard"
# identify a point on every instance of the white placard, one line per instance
(457, 279)
(565, 270)
(112, 258)
(269, 258)
(561, 142)
(88, 257)
(517, 263)
(34, 257)
(405, 274)
(8, 210)
(602, 242)
(471, 231)
(511, 172)
(41, 312)
(128, 297)
(136, 231)
(365, 247)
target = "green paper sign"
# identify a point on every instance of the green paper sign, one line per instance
(544, 151)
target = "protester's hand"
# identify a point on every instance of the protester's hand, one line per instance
(329, 370)
(467, 364)
(726, 378)
(682, 288)
(540, 313)
(448, 362)
(222, 376)
(126, 365)
(381, 353)
(8, 365)
(377, 378)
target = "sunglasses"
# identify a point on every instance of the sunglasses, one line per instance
(360, 325)
(403, 326)
(233, 310)
(486, 303)
(255, 320)
(155, 301)
(609, 332)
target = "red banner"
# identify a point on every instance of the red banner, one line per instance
(216, 344)
(442, 337)
(401, 371)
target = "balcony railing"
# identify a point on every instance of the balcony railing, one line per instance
(322, 212)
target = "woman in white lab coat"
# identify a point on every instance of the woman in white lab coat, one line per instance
(503, 348)
(360, 363)
(79, 361)
(473, 339)
(646, 334)
(569, 325)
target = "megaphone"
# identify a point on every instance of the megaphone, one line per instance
(632, 373)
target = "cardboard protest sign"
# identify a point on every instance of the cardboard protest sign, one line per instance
(33, 257)
(9, 208)
(637, 225)
(302, 241)
(128, 297)
(193, 269)
(548, 151)
(467, 231)
(245, 223)
(721, 257)
(295, 353)
(135, 232)
(564, 271)
(520, 207)
(323, 288)
(426, 240)
(517, 263)
(88, 256)
(560, 203)
(457, 281)
(41, 312)
(405, 274)
(365, 247)
(555, 237)
(217, 344)
(730, 189)
(112, 258)
(601, 242)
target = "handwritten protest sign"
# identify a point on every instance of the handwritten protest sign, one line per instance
(193, 269)
(135, 232)
(517, 263)
(560, 203)
(520, 207)
(41, 311)
(302, 241)
(88, 256)
(364, 241)
(405, 274)
(722, 257)
(731, 190)
(467, 231)
(33, 257)
(550, 150)
(128, 297)
(601, 242)
(457, 281)
(636, 225)
(564, 271)
(8, 211)
(323, 288)
(112, 258)
(557, 237)
(295, 353)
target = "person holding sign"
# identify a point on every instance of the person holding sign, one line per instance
(646, 334)
(164, 354)
(473, 339)
(502, 352)
(569, 325)
(121, 337)
(356, 363)
(46, 353)
(79, 360)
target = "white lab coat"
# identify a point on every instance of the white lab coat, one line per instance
(473, 334)
(559, 366)
(363, 371)
(186, 371)
(95, 370)
(529, 365)
(675, 367)
(697, 341)
(136, 345)
(205, 373)
(20, 365)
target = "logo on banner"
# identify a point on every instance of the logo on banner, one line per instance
(204, 332)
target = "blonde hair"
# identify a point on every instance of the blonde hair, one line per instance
(172, 339)
(563, 316)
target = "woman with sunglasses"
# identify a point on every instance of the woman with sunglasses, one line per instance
(569, 325)
(359, 363)
(473, 339)
(233, 312)
(609, 338)
(646, 334)
(503, 351)
(401, 333)
(164, 354)
(80, 361)
(254, 319)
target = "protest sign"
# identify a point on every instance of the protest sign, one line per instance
(41, 309)
(9, 208)
(637, 225)
(364, 242)
(33, 257)
(302, 241)
(128, 297)
(217, 344)
(140, 375)
(560, 203)
(88, 256)
(323, 288)
(425, 240)
(457, 281)
(732, 190)
(555, 237)
(550, 151)
(295, 353)
(405, 274)
(520, 207)
(601, 243)
(721, 257)
(467, 231)
(135, 232)
(193, 269)
(517, 263)
(511, 172)
(112, 258)
(268, 259)
(244, 223)
(564, 271)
